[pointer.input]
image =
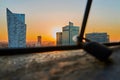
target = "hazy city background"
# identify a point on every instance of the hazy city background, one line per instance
(46, 17)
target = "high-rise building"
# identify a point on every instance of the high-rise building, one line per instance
(16, 29)
(98, 37)
(69, 32)
(66, 36)
(59, 38)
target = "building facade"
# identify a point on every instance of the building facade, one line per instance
(68, 32)
(98, 37)
(16, 30)
(59, 38)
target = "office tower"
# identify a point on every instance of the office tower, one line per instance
(98, 37)
(66, 36)
(69, 32)
(59, 38)
(16, 30)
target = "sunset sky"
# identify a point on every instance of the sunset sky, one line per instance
(46, 17)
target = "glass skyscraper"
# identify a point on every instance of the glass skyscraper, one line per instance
(66, 36)
(69, 32)
(16, 30)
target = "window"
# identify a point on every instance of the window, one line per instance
(31, 27)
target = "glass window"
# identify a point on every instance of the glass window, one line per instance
(35, 26)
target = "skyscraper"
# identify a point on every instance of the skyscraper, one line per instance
(69, 32)
(16, 29)
(66, 36)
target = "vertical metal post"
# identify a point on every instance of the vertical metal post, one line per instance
(86, 14)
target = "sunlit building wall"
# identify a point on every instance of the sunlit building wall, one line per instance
(98, 37)
(16, 29)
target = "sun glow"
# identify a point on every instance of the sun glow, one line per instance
(55, 30)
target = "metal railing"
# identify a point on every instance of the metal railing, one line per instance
(21, 51)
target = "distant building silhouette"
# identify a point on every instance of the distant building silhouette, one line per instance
(98, 37)
(39, 39)
(39, 42)
(16, 29)
(66, 36)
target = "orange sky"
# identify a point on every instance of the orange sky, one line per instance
(47, 31)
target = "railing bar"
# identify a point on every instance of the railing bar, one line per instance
(21, 51)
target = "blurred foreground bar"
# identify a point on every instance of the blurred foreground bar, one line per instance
(19, 51)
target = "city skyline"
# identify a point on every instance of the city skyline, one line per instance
(47, 17)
